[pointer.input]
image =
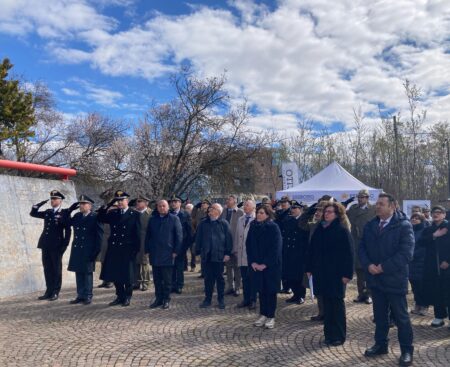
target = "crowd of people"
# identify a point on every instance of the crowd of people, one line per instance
(262, 249)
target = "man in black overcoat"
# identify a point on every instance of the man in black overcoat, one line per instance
(163, 243)
(123, 245)
(86, 244)
(53, 242)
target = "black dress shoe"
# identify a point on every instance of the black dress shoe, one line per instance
(237, 293)
(317, 318)
(336, 343)
(43, 297)
(53, 297)
(87, 301)
(252, 306)
(76, 300)
(205, 304)
(144, 288)
(156, 303)
(229, 292)
(221, 305)
(300, 301)
(360, 299)
(285, 291)
(108, 285)
(165, 305)
(136, 287)
(116, 302)
(376, 350)
(103, 285)
(178, 291)
(368, 301)
(406, 359)
(126, 303)
(292, 300)
(243, 304)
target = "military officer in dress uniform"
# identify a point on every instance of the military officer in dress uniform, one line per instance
(179, 263)
(142, 267)
(86, 244)
(123, 246)
(281, 216)
(53, 242)
(295, 246)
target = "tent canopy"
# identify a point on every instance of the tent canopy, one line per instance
(333, 180)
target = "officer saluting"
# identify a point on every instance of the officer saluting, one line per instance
(53, 242)
(86, 244)
(123, 245)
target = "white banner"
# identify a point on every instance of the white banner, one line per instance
(289, 172)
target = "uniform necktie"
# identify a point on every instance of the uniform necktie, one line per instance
(122, 211)
(382, 224)
(247, 218)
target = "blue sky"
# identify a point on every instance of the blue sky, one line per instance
(291, 59)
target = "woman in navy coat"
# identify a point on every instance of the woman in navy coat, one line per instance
(330, 262)
(263, 245)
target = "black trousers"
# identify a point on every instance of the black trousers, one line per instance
(52, 263)
(178, 272)
(85, 283)
(248, 289)
(193, 259)
(123, 290)
(417, 289)
(213, 272)
(267, 304)
(399, 307)
(363, 291)
(162, 279)
(441, 311)
(297, 287)
(335, 322)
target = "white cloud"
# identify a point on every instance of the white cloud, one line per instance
(70, 92)
(316, 58)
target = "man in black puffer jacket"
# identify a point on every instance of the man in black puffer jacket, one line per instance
(214, 243)
(385, 251)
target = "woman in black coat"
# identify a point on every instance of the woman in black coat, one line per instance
(436, 277)
(417, 264)
(330, 262)
(263, 247)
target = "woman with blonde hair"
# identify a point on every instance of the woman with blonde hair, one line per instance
(330, 262)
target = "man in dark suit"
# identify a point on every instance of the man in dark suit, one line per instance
(179, 263)
(86, 244)
(385, 250)
(163, 243)
(123, 245)
(53, 242)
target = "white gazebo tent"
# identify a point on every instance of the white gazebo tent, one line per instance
(333, 180)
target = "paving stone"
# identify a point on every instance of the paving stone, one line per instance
(53, 334)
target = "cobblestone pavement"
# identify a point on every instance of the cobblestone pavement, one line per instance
(42, 333)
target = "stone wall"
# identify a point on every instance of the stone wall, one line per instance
(20, 260)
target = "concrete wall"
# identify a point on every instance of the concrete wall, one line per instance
(20, 260)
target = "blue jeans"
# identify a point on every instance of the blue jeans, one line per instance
(399, 308)
(84, 285)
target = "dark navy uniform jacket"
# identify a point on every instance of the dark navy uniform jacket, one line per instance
(86, 244)
(56, 232)
(123, 244)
